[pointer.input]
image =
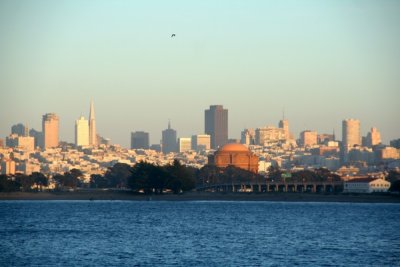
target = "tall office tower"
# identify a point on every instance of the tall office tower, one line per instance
(201, 142)
(50, 130)
(308, 138)
(20, 130)
(92, 126)
(373, 137)
(184, 144)
(81, 132)
(248, 136)
(284, 124)
(351, 135)
(140, 140)
(1, 143)
(38, 136)
(169, 140)
(216, 125)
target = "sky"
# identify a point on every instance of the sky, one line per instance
(319, 61)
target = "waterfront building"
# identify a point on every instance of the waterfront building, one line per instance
(201, 142)
(366, 185)
(81, 132)
(216, 125)
(50, 124)
(140, 140)
(169, 140)
(237, 155)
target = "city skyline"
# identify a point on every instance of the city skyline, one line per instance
(321, 63)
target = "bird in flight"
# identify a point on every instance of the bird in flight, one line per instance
(173, 35)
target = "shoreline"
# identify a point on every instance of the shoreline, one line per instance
(202, 196)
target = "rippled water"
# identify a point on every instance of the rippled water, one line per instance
(119, 233)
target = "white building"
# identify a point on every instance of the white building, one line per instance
(201, 142)
(366, 185)
(81, 132)
(184, 144)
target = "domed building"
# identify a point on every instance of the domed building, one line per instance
(234, 154)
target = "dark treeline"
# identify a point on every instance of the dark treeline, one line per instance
(150, 178)
(147, 177)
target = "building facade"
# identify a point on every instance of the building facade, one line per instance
(184, 144)
(351, 134)
(50, 125)
(201, 142)
(81, 132)
(308, 138)
(169, 143)
(269, 134)
(92, 126)
(366, 185)
(140, 140)
(373, 137)
(20, 130)
(237, 155)
(216, 125)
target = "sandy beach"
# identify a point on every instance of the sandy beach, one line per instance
(200, 196)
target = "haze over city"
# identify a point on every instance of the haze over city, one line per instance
(321, 62)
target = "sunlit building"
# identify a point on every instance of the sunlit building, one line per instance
(184, 144)
(308, 138)
(237, 155)
(216, 125)
(81, 132)
(201, 142)
(50, 124)
(92, 126)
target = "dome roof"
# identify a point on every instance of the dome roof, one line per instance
(234, 147)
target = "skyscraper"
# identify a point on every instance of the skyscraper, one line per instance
(50, 130)
(351, 135)
(216, 125)
(373, 137)
(169, 140)
(284, 124)
(92, 126)
(201, 142)
(308, 138)
(20, 130)
(81, 132)
(140, 140)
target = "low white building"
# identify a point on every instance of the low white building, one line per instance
(366, 185)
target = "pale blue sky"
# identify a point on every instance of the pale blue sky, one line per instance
(322, 61)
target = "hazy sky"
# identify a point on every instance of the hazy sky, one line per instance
(322, 61)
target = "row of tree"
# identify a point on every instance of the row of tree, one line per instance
(21, 182)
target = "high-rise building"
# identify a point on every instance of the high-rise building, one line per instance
(38, 136)
(7, 166)
(269, 134)
(81, 132)
(140, 140)
(184, 144)
(1, 143)
(248, 137)
(26, 143)
(216, 125)
(92, 126)
(20, 130)
(169, 140)
(373, 137)
(201, 142)
(351, 134)
(50, 130)
(308, 138)
(284, 124)
(395, 143)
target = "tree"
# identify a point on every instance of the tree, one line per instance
(98, 181)
(118, 175)
(8, 185)
(26, 181)
(274, 173)
(181, 178)
(40, 180)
